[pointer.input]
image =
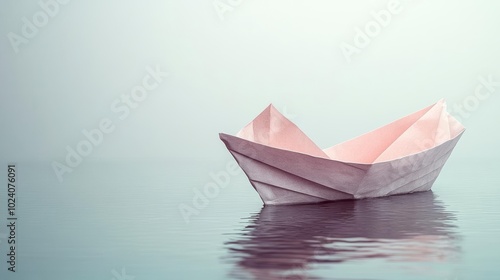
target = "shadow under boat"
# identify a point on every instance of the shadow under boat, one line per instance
(281, 242)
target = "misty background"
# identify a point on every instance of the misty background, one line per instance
(119, 210)
(225, 68)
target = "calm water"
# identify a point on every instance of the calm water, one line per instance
(122, 221)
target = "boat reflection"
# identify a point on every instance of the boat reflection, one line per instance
(281, 242)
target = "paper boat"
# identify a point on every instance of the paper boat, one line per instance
(286, 167)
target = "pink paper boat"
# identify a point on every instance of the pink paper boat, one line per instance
(286, 167)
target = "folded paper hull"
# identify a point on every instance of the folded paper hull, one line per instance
(284, 177)
(286, 167)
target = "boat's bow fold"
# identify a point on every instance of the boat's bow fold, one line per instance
(272, 129)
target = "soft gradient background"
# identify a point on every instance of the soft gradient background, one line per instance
(224, 72)
(119, 207)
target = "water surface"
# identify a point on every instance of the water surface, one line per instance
(121, 220)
